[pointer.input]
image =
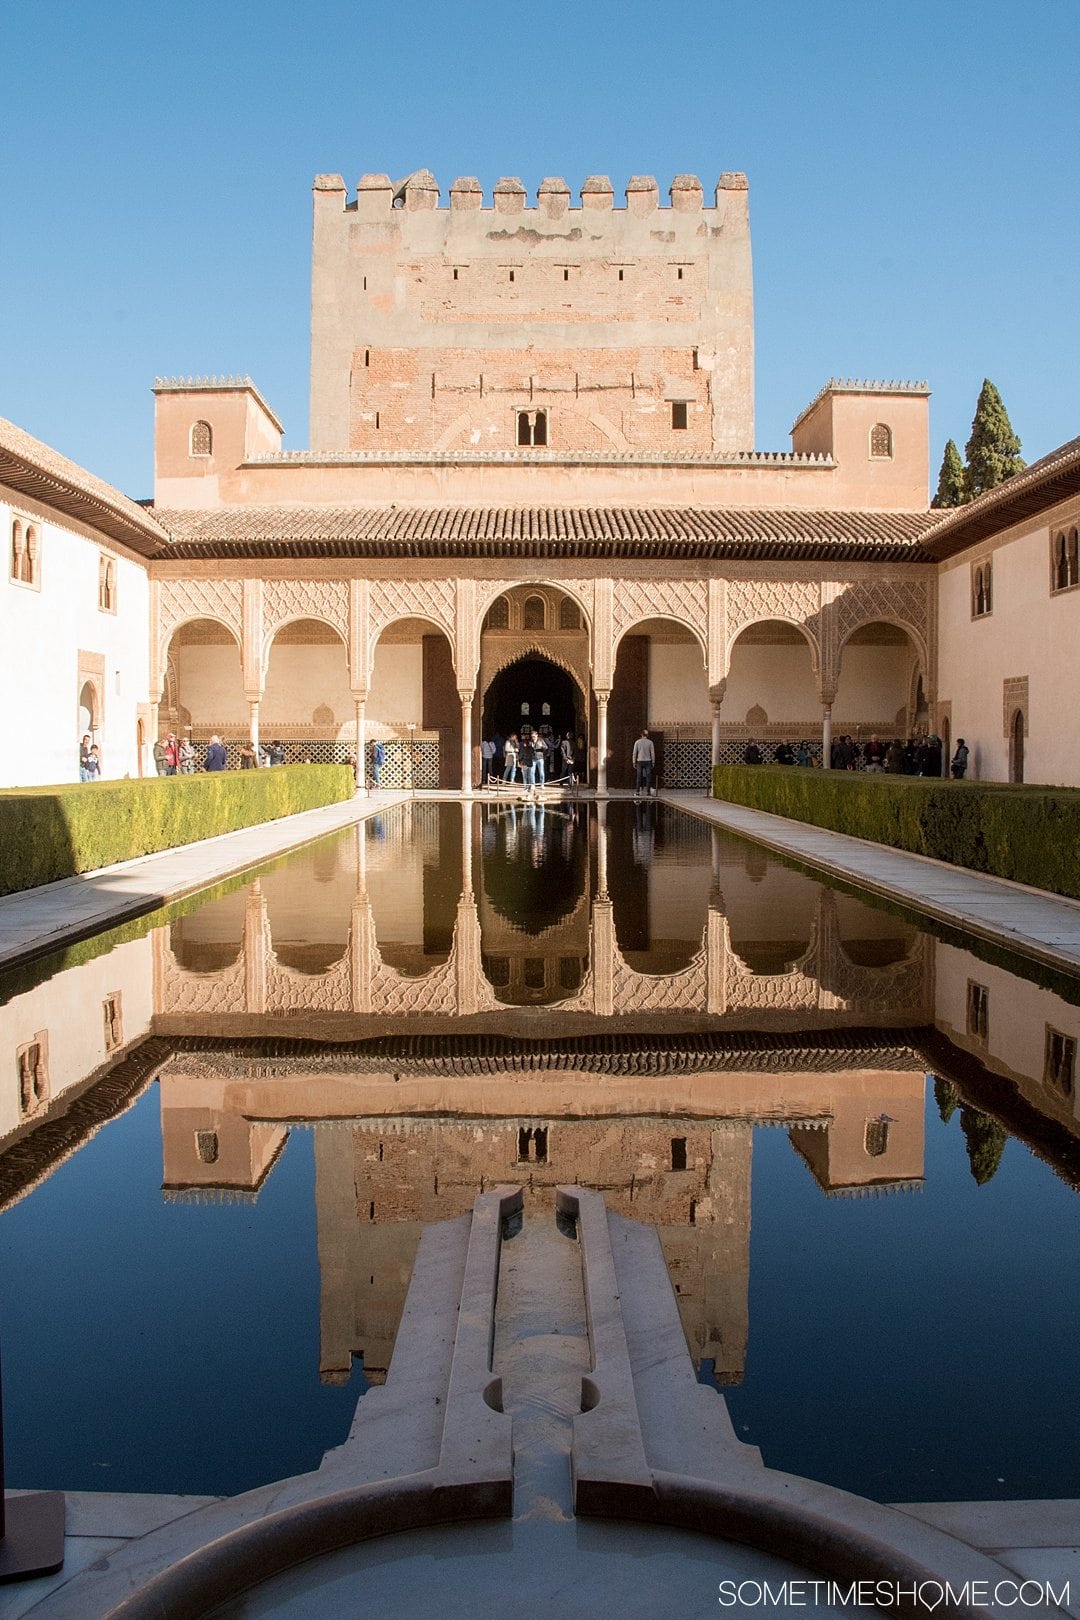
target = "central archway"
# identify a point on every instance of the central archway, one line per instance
(531, 691)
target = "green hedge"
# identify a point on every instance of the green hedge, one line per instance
(52, 832)
(1029, 834)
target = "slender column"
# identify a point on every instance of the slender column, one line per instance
(601, 852)
(253, 723)
(601, 741)
(466, 849)
(826, 736)
(716, 698)
(361, 743)
(466, 741)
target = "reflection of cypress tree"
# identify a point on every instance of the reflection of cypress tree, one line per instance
(946, 1096)
(985, 1143)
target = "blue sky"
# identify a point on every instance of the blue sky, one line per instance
(913, 177)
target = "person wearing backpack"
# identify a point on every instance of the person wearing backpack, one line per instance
(960, 761)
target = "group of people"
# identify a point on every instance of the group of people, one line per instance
(540, 756)
(175, 756)
(917, 756)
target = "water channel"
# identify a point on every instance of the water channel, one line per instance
(224, 1127)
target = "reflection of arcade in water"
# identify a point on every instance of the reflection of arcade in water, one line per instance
(436, 915)
(458, 1000)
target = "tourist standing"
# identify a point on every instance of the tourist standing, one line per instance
(785, 754)
(93, 764)
(158, 752)
(187, 757)
(84, 759)
(510, 755)
(487, 759)
(643, 758)
(540, 746)
(752, 756)
(172, 753)
(215, 755)
(527, 761)
(378, 760)
(960, 761)
(803, 756)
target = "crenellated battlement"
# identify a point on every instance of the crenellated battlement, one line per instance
(419, 192)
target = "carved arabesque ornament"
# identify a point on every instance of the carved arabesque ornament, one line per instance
(182, 600)
(285, 600)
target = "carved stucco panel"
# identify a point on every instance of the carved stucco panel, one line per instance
(289, 599)
(751, 601)
(641, 992)
(686, 600)
(184, 599)
(290, 991)
(433, 599)
(896, 601)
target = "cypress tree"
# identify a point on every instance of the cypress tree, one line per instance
(993, 451)
(952, 486)
(985, 1140)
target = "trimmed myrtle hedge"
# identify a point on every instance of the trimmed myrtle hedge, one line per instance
(1028, 834)
(52, 832)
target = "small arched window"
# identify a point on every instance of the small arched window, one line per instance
(206, 1146)
(106, 583)
(569, 614)
(876, 1138)
(533, 618)
(982, 593)
(202, 439)
(18, 550)
(880, 441)
(498, 615)
(1066, 560)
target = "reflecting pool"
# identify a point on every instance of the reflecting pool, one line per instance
(224, 1127)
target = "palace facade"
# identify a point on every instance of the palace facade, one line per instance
(531, 494)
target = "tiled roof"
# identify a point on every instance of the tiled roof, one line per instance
(33, 469)
(550, 532)
(1051, 479)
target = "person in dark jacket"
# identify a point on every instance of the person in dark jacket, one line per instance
(215, 755)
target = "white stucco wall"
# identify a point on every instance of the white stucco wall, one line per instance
(69, 1009)
(42, 632)
(1031, 632)
(677, 685)
(1019, 1014)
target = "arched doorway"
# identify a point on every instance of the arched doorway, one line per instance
(88, 711)
(533, 691)
(1016, 747)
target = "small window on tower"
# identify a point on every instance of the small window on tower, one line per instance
(881, 441)
(532, 428)
(202, 439)
(679, 417)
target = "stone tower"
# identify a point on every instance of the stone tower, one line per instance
(589, 330)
